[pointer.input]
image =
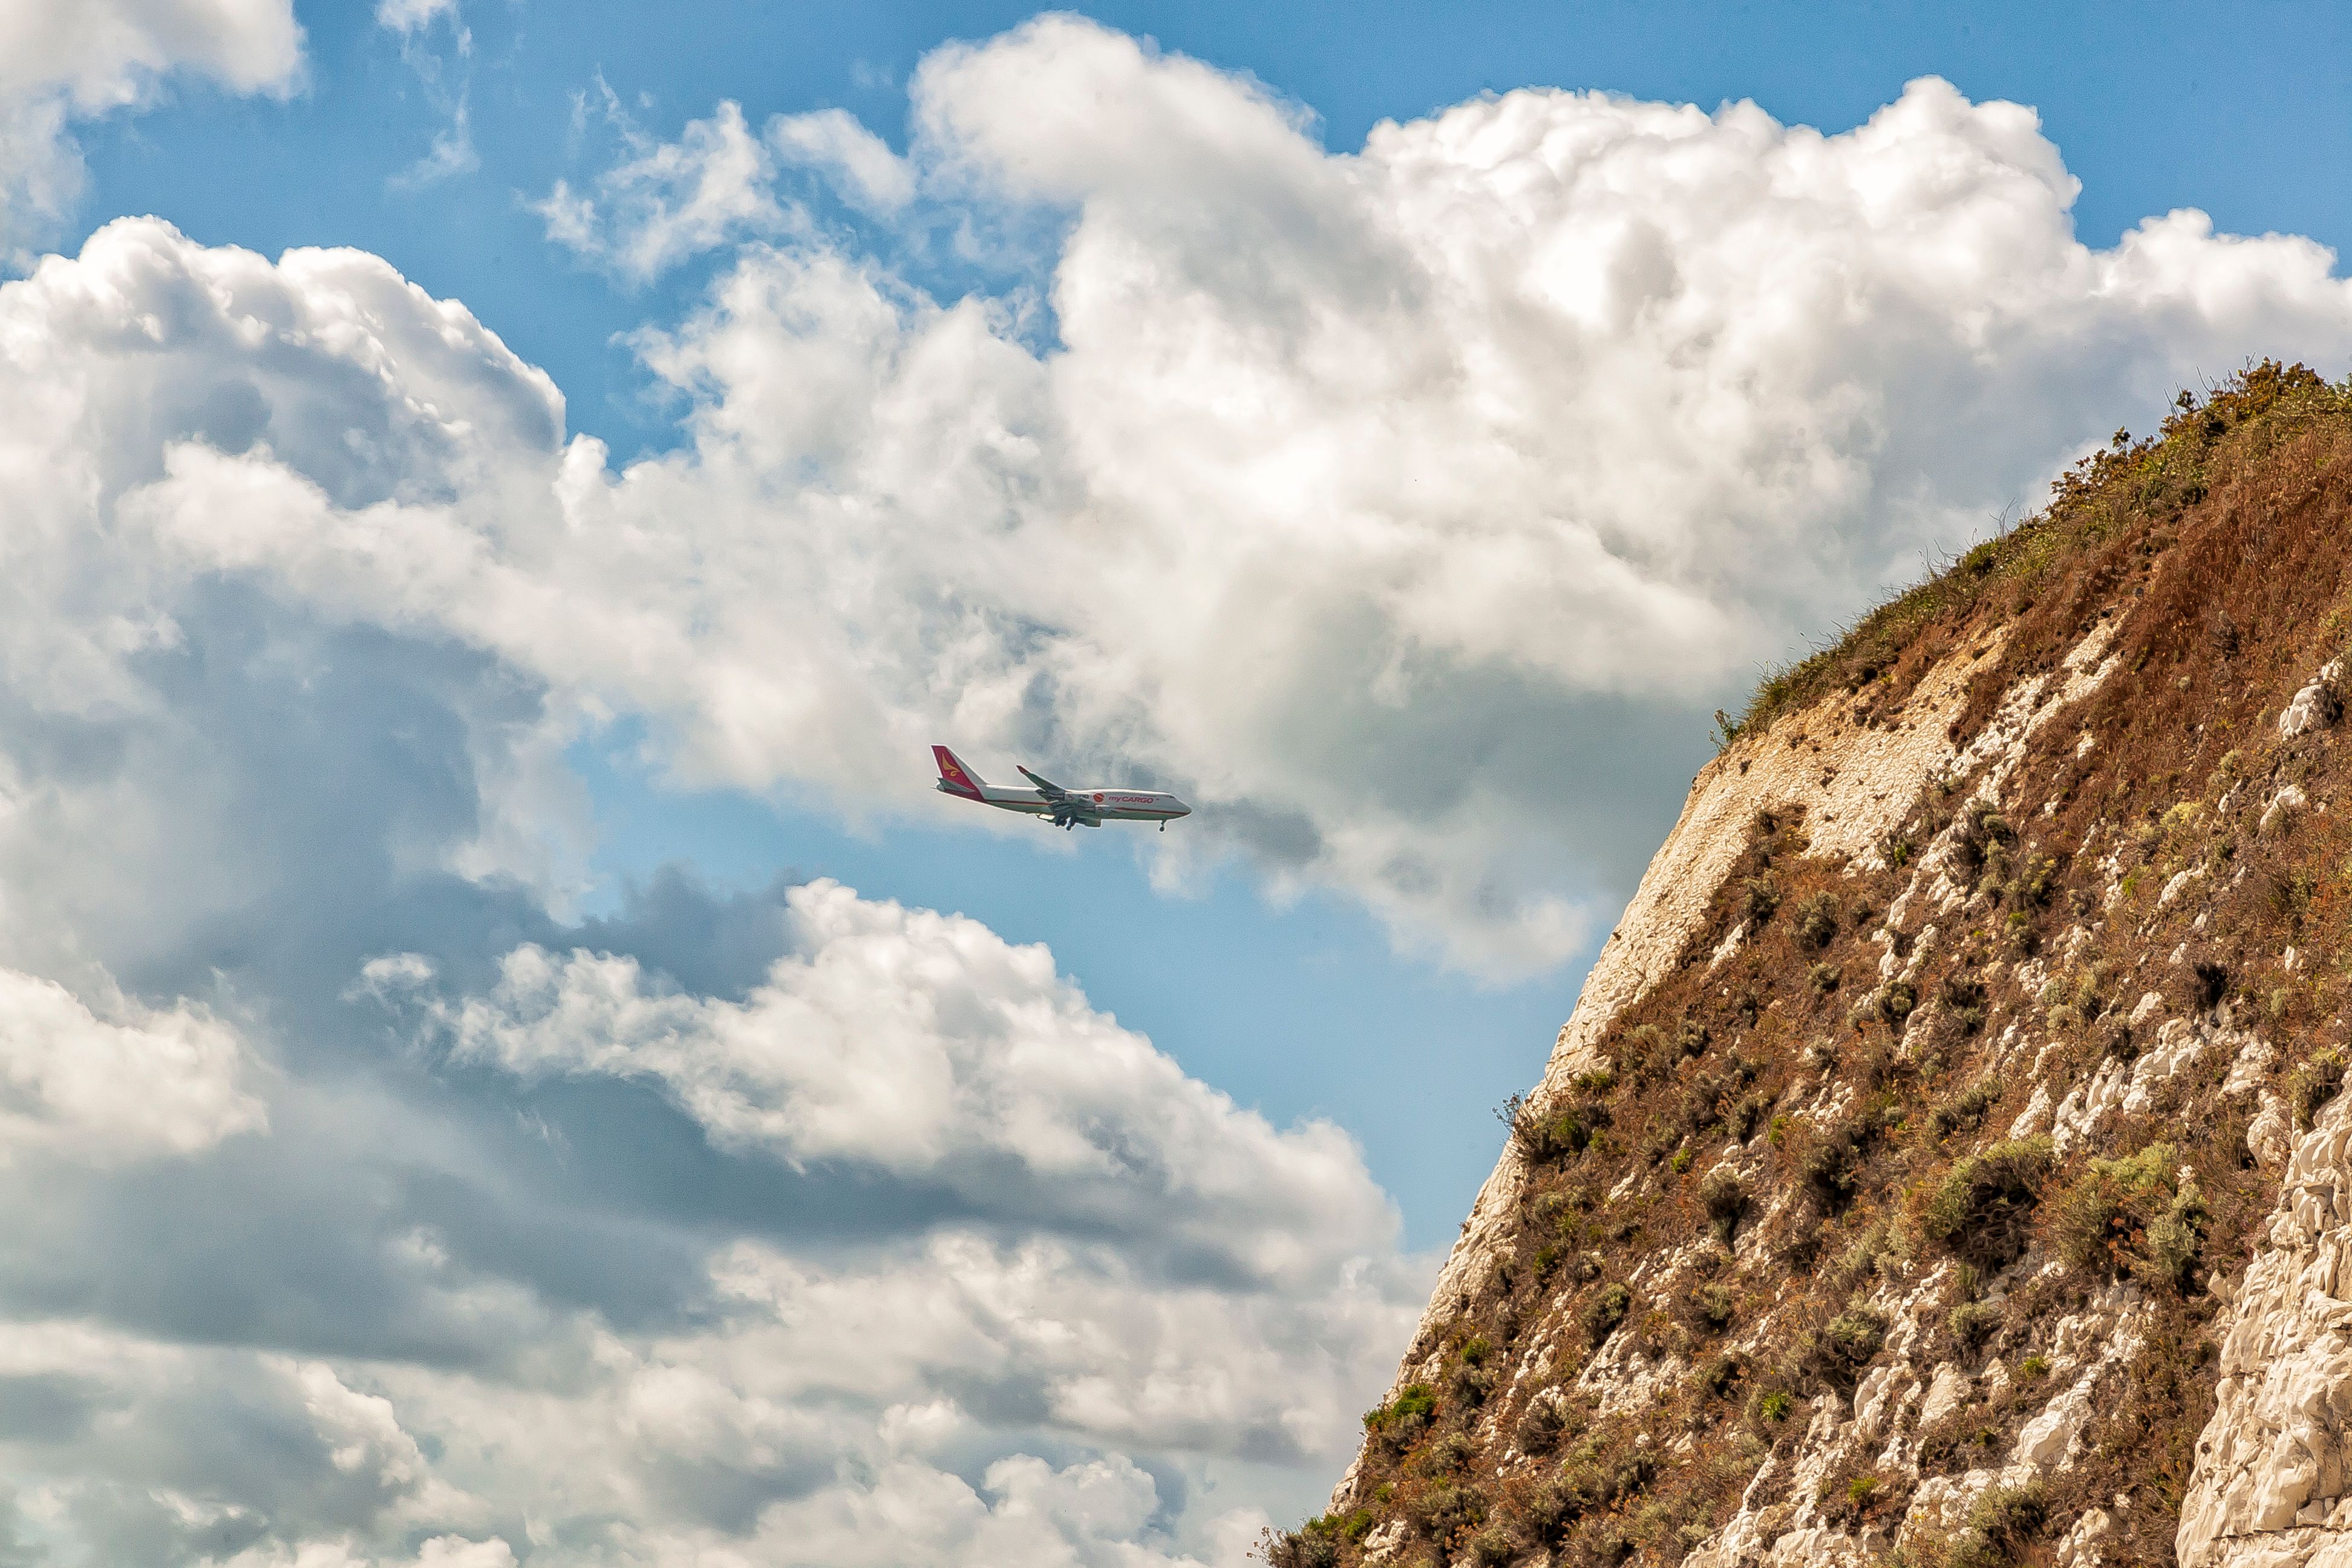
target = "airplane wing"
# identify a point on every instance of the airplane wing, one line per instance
(1046, 787)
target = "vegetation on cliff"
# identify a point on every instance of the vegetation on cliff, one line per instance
(1838, 1136)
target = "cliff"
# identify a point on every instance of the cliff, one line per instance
(1944, 1162)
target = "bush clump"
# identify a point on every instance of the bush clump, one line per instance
(2313, 1085)
(1723, 1197)
(1817, 920)
(1404, 1418)
(1845, 1345)
(1552, 1135)
(1982, 1211)
(1708, 1306)
(1598, 1474)
(1310, 1546)
(1605, 1312)
(1830, 1165)
(1449, 1507)
(2002, 1523)
(1490, 1548)
(1972, 1322)
(2134, 1215)
(1965, 1108)
(1547, 1419)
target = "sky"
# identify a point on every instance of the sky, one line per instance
(515, 1062)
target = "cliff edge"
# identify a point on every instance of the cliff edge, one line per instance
(1944, 1163)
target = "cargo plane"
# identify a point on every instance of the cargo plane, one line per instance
(1065, 808)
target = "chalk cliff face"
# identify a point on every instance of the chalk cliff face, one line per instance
(1944, 1162)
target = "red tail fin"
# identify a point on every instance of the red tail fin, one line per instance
(954, 777)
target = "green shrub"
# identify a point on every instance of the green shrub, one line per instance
(1470, 1384)
(1831, 1163)
(1723, 1197)
(1490, 1548)
(1817, 920)
(1776, 1404)
(1861, 1259)
(1972, 1322)
(1745, 1113)
(1759, 896)
(1310, 1546)
(2002, 1523)
(1605, 1312)
(1552, 1135)
(1982, 1211)
(2313, 1085)
(1450, 1452)
(1449, 1507)
(1846, 1344)
(1546, 1420)
(1706, 1306)
(2132, 1215)
(1897, 1001)
(1403, 1418)
(1983, 832)
(1591, 1479)
(1824, 978)
(1965, 1109)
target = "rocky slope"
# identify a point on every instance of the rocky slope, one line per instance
(1944, 1163)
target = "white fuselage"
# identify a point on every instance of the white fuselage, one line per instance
(1063, 807)
(1089, 805)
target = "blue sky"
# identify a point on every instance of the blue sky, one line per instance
(502, 497)
(1299, 1008)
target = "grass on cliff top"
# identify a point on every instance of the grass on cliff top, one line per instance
(2082, 511)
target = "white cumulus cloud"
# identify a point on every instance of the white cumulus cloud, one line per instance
(926, 1045)
(139, 1082)
(1383, 500)
(58, 62)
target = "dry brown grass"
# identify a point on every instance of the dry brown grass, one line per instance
(2221, 548)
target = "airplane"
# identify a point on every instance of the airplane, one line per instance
(1065, 808)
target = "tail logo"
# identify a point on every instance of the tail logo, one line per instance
(953, 771)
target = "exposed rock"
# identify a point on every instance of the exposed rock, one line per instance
(2271, 1482)
(2315, 707)
(1908, 1135)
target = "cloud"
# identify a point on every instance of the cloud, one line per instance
(629, 1240)
(414, 15)
(140, 1083)
(994, 1378)
(667, 201)
(59, 63)
(862, 164)
(1384, 500)
(105, 54)
(926, 1047)
(447, 82)
(672, 200)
